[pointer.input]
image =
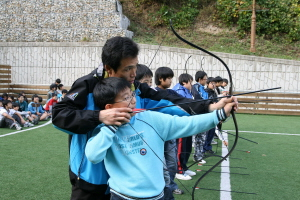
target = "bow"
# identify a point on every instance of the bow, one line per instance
(232, 112)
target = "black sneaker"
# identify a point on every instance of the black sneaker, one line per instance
(210, 152)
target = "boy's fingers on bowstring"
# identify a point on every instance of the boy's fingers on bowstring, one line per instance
(115, 116)
(228, 107)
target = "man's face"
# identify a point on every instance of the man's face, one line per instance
(203, 81)
(127, 69)
(166, 83)
(125, 99)
(147, 79)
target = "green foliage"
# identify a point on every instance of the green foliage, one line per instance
(182, 13)
(275, 18)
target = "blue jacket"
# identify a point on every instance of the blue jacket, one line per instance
(32, 108)
(201, 90)
(183, 91)
(136, 167)
(78, 115)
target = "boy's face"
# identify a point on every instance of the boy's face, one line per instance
(9, 105)
(125, 99)
(147, 79)
(203, 81)
(126, 70)
(36, 99)
(218, 84)
(224, 84)
(21, 99)
(188, 85)
(16, 108)
(211, 85)
(166, 83)
(54, 97)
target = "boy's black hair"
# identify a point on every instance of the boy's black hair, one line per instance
(106, 91)
(184, 78)
(53, 86)
(200, 75)
(225, 80)
(218, 79)
(58, 81)
(59, 86)
(5, 95)
(142, 71)
(210, 79)
(164, 73)
(40, 99)
(20, 95)
(12, 98)
(53, 95)
(117, 48)
(14, 104)
(5, 102)
(64, 91)
(33, 96)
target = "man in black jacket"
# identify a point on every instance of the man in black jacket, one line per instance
(78, 115)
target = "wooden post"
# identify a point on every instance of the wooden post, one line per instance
(253, 28)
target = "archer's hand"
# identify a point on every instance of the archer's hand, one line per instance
(229, 104)
(223, 102)
(115, 116)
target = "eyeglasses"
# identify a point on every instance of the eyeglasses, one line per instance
(128, 99)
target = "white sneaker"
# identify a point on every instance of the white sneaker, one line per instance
(18, 127)
(30, 124)
(190, 172)
(213, 142)
(183, 177)
(202, 162)
(26, 124)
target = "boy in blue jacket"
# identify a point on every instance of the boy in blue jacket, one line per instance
(133, 152)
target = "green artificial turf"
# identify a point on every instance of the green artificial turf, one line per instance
(34, 163)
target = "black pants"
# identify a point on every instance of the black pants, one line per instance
(79, 194)
(184, 151)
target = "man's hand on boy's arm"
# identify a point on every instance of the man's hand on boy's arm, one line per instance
(223, 102)
(115, 116)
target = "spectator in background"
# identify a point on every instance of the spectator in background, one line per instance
(36, 108)
(53, 88)
(4, 96)
(218, 82)
(23, 104)
(60, 87)
(6, 120)
(64, 92)
(15, 111)
(11, 98)
(57, 82)
(50, 104)
(24, 95)
(144, 74)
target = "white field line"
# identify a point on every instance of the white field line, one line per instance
(270, 133)
(225, 173)
(49, 122)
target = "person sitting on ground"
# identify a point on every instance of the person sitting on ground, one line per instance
(24, 95)
(223, 88)
(144, 74)
(57, 81)
(15, 110)
(36, 108)
(23, 104)
(50, 104)
(4, 96)
(7, 120)
(143, 159)
(11, 98)
(53, 88)
(60, 87)
(64, 92)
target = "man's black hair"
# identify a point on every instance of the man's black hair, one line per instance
(200, 75)
(58, 81)
(53, 86)
(106, 91)
(184, 78)
(5, 102)
(59, 86)
(225, 80)
(210, 79)
(117, 48)
(218, 79)
(14, 104)
(164, 73)
(142, 71)
(64, 91)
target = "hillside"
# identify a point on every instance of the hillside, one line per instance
(205, 31)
